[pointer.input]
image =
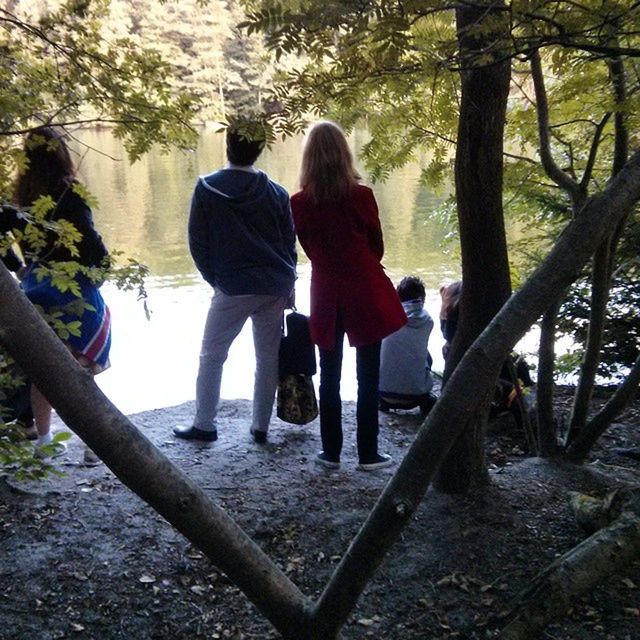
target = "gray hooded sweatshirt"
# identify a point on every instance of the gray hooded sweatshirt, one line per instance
(404, 367)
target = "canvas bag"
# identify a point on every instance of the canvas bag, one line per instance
(296, 398)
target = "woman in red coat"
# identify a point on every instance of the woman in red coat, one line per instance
(337, 223)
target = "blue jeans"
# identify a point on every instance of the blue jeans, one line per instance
(367, 371)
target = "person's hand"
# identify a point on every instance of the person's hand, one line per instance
(291, 300)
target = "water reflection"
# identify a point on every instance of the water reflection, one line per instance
(143, 212)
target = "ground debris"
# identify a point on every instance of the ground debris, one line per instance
(101, 564)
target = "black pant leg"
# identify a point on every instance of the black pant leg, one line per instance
(368, 372)
(330, 401)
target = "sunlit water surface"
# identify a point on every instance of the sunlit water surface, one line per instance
(143, 211)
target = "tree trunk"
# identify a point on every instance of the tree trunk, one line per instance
(610, 551)
(478, 177)
(547, 433)
(579, 449)
(600, 284)
(139, 465)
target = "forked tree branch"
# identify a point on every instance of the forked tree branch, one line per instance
(141, 466)
(560, 177)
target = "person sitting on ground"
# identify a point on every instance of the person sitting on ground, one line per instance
(510, 394)
(514, 376)
(405, 362)
(449, 312)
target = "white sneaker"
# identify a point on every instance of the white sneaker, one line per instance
(382, 460)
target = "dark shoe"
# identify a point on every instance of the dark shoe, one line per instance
(381, 461)
(260, 437)
(323, 459)
(30, 432)
(428, 404)
(193, 433)
(630, 452)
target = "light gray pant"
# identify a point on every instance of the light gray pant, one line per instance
(225, 320)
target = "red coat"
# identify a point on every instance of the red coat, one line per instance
(344, 243)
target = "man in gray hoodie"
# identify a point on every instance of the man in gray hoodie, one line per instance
(242, 241)
(405, 362)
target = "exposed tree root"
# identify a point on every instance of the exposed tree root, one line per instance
(610, 550)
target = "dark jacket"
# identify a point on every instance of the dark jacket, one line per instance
(72, 208)
(241, 233)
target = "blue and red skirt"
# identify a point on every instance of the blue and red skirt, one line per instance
(87, 317)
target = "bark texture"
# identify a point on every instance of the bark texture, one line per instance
(607, 552)
(139, 465)
(478, 179)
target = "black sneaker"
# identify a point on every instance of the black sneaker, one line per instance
(381, 461)
(260, 437)
(193, 433)
(323, 459)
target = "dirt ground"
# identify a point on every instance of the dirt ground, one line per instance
(83, 557)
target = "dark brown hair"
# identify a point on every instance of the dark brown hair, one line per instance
(49, 169)
(411, 288)
(450, 295)
(245, 143)
(327, 174)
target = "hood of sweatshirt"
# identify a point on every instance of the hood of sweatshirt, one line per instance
(242, 190)
(416, 314)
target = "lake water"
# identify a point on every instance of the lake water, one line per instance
(143, 211)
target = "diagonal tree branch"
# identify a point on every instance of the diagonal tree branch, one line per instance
(580, 447)
(466, 387)
(139, 465)
(593, 152)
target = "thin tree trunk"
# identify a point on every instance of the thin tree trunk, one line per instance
(140, 465)
(478, 176)
(603, 261)
(600, 284)
(547, 433)
(620, 400)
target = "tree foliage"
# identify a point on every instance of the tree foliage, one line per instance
(572, 113)
(59, 68)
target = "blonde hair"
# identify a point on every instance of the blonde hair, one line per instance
(327, 173)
